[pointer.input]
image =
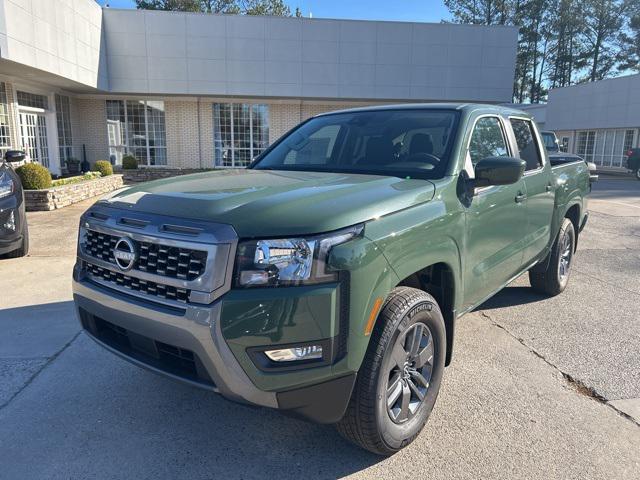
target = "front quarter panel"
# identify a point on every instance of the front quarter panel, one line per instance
(424, 235)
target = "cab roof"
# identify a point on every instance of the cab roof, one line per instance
(463, 107)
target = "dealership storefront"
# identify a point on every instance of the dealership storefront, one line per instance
(183, 90)
(599, 121)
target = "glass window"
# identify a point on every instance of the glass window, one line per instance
(137, 127)
(240, 133)
(564, 147)
(5, 135)
(628, 141)
(404, 142)
(527, 146)
(586, 144)
(26, 99)
(487, 140)
(63, 119)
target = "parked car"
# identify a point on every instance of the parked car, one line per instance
(633, 161)
(328, 277)
(14, 233)
(550, 141)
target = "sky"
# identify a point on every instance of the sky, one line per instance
(403, 10)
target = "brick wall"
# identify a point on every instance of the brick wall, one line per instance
(206, 133)
(181, 122)
(91, 128)
(58, 197)
(148, 174)
(13, 116)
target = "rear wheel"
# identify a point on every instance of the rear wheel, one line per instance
(554, 279)
(400, 377)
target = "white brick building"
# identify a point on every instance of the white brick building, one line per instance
(199, 91)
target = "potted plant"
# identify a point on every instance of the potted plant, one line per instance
(73, 166)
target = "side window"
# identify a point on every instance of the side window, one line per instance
(487, 140)
(527, 146)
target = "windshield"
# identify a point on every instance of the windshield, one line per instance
(404, 143)
(550, 142)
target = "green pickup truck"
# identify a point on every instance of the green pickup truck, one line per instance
(327, 278)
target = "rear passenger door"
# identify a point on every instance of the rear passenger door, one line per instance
(537, 180)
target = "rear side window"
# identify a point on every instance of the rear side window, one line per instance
(527, 146)
(487, 140)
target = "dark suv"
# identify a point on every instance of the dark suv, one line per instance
(14, 234)
(633, 161)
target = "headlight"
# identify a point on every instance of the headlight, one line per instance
(6, 185)
(290, 261)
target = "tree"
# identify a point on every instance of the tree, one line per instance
(178, 5)
(603, 21)
(481, 12)
(629, 55)
(247, 7)
(266, 7)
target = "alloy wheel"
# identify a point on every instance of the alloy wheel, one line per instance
(409, 372)
(565, 256)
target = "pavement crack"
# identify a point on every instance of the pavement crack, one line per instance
(577, 385)
(32, 378)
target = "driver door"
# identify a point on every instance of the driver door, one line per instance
(495, 218)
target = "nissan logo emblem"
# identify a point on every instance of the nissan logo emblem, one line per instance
(125, 253)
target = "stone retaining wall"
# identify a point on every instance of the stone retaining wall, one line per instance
(148, 174)
(64, 195)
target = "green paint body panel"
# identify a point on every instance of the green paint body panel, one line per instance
(409, 224)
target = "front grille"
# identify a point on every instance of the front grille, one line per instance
(165, 357)
(167, 292)
(155, 258)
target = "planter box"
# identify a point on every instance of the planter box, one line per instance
(148, 174)
(64, 195)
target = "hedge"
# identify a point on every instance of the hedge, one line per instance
(34, 176)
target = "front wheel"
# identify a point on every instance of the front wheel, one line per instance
(400, 377)
(637, 173)
(554, 279)
(24, 245)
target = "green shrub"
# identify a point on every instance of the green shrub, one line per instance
(77, 179)
(91, 175)
(129, 162)
(34, 176)
(103, 167)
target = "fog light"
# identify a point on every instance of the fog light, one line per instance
(10, 222)
(310, 352)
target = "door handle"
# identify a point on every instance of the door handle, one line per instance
(549, 187)
(520, 197)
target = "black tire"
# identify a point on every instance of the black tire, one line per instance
(637, 173)
(24, 246)
(552, 281)
(368, 420)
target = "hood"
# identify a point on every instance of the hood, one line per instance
(262, 203)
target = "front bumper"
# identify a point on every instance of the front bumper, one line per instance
(11, 240)
(209, 346)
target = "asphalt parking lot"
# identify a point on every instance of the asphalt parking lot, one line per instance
(539, 388)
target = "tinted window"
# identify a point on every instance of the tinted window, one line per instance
(549, 140)
(413, 143)
(487, 140)
(527, 146)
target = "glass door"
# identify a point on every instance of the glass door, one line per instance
(33, 131)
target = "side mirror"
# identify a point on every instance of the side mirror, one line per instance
(14, 156)
(498, 171)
